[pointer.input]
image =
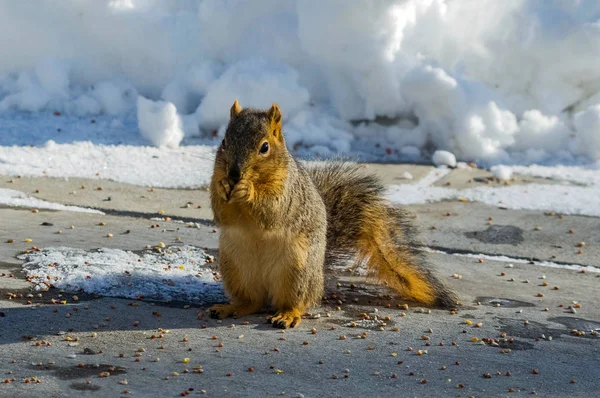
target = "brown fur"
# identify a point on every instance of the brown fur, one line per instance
(362, 224)
(278, 220)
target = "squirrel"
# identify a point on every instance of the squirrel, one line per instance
(282, 221)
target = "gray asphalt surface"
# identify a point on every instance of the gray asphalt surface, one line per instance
(529, 327)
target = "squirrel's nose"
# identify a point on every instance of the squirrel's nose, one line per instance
(235, 174)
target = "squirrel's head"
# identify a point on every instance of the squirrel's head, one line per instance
(253, 147)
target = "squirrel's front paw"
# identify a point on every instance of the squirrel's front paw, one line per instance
(243, 191)
(223, 189)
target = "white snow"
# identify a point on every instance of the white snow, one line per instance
(587, 123)
(190, 166)
(10, 197)
(501, 172)
(178, 273)
(577, 175)
(489, 81)
(159, 122)
(561, 198)
(443, 158)
(256, 83)
(139, 91)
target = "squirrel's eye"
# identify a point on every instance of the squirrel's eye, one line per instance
(223, 143)
(264, 148)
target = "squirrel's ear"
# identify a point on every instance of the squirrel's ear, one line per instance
(235, 109)
(274, 115)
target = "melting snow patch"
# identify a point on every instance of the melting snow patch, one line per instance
(566, 199)
(10, 197)
(589, 175)
(175, 274)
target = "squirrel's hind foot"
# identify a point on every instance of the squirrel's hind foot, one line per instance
(285, 319)
(221, 311)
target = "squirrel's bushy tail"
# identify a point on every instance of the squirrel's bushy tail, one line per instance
(362, 223)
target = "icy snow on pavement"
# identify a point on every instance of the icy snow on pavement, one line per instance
(10, 197)
(184, 167)
(565, 199)
(176, 274)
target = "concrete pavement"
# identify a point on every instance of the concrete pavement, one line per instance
(538, 322)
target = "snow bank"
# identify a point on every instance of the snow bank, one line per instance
(255, 83)
(178, 273)
(490, 81)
